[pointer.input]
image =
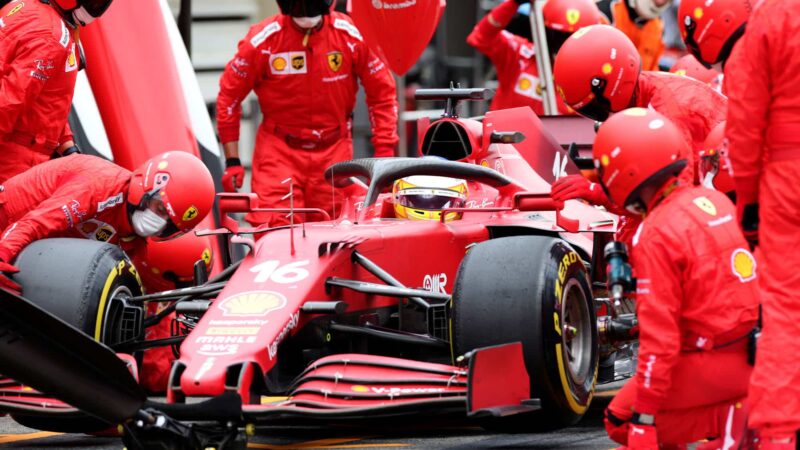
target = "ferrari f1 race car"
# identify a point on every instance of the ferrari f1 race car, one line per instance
(502, 316)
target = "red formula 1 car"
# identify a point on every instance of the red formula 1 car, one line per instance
(500, 316)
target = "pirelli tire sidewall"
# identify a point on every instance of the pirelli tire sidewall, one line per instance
(564, 272)
(75, 279)
(513, 289)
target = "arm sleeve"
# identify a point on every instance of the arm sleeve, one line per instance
(747, 83)
(35, 61)
(66, 135)
(66, 208)
(237, 81)
(658, 298)
(487, 36)
(381, 94)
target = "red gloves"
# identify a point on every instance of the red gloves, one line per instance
(571, 187)
(233, 178)
(6, 282)
(642, 437)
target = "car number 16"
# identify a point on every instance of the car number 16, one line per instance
(272, 270)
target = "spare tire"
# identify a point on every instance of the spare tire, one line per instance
(86, 284)
(535, 290)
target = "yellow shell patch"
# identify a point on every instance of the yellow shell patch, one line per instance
(705, 204)
(524, 84)
(604, 160)
(162, 165)
(698, 13)
(607, 68)
(743, 265)
(359, 388)
(635, 112)
(279, 64)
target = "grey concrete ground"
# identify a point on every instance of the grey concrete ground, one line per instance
(588, 434)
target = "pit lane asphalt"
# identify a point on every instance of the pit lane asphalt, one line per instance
(588, 434)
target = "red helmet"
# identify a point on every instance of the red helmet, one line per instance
(82, 12)
(636, 152)
(165, 265)
(714, 163)
(689, 66)
(596, 71)
(169, 195)
(564, 17)
(709, 29)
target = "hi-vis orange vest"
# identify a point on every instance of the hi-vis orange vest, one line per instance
(646, 38)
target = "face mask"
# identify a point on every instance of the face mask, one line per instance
(147, 223)
(82, 16)
(307, 22)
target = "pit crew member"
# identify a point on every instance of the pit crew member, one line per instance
(596, 84)
(89, 197)
(39, 62)
(761, 78)
(711, 30)
(513, 56)
(303, 65)
(640, 20)
(689, 66)
(697, 293)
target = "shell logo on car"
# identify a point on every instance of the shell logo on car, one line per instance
(252, 304)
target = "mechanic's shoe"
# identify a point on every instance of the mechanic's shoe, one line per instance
(733, 427)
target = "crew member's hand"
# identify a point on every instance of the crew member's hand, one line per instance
(748, 221)
(233, 178)
(5, 282)
(642, 437)
(577, 186)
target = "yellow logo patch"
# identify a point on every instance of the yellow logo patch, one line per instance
(279, 64)
(190, 213)
(573, 16)
(252, 304)
(359, 388)
(104, 233)
(743, 265)
(698, 13)
(15, 9)
(607, 68)
(163, 165)
(635, 112)
(524, 84)
(578, 34)
(335, 60)
(705, 204)
(206, 256)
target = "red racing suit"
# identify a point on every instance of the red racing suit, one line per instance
(78, 196)
(694, 107)
(697, 301)
(38, 68)
(306, 85)
(762, 79)
(514, 59)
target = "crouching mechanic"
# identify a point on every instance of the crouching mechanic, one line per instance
(697, 293)
(514, 56)
(303, 65)
(39, 62)
(598, 72)
(86, 196)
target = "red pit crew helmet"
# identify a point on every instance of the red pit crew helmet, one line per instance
(596, 71)
(564, 17)
(636, 152)
(165, 265)
(175, 187)
(689, 66)
(709, 29)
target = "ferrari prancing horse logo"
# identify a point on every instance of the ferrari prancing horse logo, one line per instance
(335, 60)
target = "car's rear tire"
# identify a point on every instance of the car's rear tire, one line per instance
(86, 284)
(532, 289)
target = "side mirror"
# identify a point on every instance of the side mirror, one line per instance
(530, 201)
(235, 202)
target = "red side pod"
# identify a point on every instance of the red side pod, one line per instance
(134, 78)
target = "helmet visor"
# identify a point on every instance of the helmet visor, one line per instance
(430, 199)
(95, 7)
(154, 203)
(305, 8)
(691, 43)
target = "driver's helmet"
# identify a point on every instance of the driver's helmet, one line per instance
(422, 197)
